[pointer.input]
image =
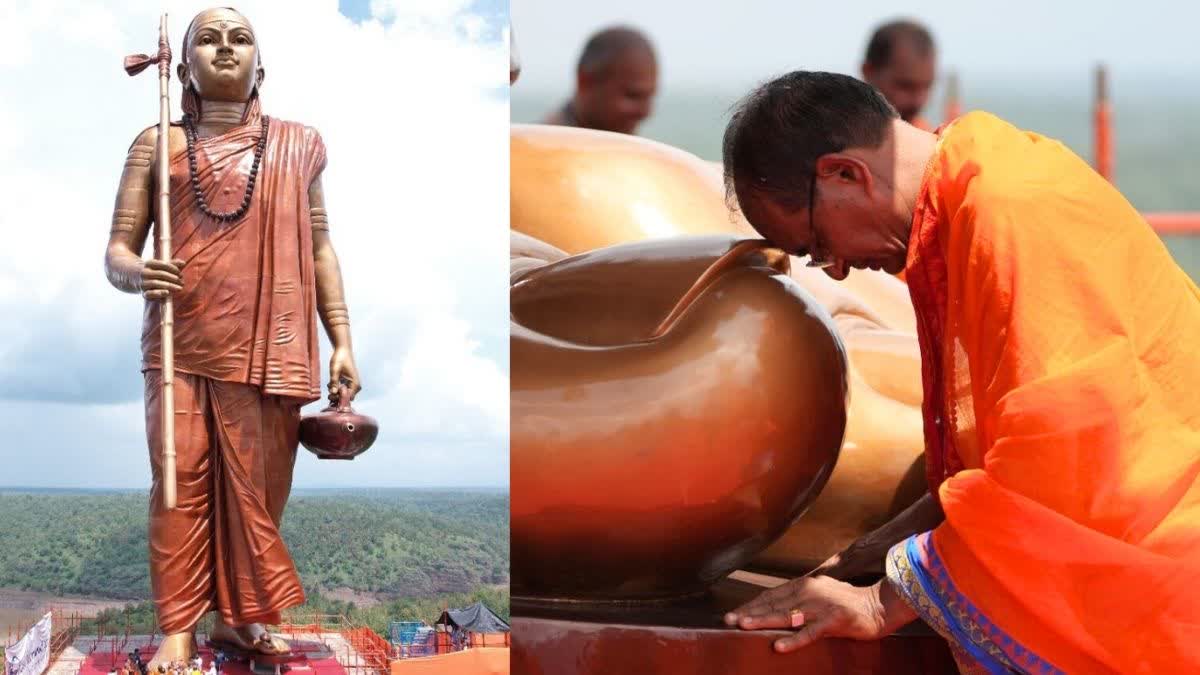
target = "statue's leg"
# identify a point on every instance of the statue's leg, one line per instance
(181, 553)
(256, 451)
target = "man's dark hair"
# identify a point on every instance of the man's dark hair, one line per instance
(604, 47)
(779, 131)
(883, 41)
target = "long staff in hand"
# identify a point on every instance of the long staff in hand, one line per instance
(134, 65)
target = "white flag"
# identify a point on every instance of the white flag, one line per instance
(30, 655)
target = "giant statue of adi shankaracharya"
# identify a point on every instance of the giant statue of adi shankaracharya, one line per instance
(253, 267)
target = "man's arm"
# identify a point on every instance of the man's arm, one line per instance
(331, 296)
(866, 555)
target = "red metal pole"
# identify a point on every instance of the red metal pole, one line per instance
(953, 108)
(1102, 121)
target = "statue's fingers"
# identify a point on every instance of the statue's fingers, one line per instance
(157, 265)
(161, 275)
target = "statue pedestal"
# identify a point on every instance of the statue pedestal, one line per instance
(690, 637)
(300, 658)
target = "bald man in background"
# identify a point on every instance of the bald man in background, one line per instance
(901, 62)
(615, 83)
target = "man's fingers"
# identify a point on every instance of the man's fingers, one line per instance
(780, 598)
(808, 634)
(772, 619)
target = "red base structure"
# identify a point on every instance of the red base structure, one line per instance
(688, 637)
(308, 657)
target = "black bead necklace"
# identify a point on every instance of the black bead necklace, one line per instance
(189, 130)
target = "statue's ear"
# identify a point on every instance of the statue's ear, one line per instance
(182, 71)
(260, 75)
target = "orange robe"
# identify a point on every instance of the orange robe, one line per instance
(246, 350)
(1062, 414)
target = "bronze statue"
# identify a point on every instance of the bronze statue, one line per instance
(574, 191)
(252, 267)
(650, 457)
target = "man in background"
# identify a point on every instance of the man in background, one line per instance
(615, 83)
(901, 62)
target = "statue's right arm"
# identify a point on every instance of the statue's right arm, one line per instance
(132, 215)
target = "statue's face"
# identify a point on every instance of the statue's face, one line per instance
(222, 61)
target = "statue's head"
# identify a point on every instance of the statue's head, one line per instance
(220, 57)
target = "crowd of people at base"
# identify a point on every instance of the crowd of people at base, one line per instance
(135, 665)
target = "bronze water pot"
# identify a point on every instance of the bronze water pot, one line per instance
(337, 432)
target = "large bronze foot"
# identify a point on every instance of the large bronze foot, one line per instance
(174, 647)
(252, 637)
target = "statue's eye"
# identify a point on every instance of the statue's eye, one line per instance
(206, 40)
(243, 40)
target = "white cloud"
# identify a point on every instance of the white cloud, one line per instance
(417, 191)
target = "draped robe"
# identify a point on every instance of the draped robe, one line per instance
(246, 359)
(1062, 415)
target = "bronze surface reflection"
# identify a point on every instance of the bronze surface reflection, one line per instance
(575, 190)
(649, 468)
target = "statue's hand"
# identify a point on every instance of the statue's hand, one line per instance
(342, 368)
(161, 279)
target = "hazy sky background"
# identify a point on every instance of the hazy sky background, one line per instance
(1031, 63)
(417, 192)
(707, 44)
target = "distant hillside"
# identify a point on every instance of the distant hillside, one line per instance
(377, 545)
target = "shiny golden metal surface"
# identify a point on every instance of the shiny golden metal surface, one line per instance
(575, 190)
(648, 468)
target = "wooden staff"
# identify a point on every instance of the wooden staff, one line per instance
(134, 65)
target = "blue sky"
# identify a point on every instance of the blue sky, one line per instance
(404, 95)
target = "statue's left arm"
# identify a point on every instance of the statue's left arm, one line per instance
(331, 297)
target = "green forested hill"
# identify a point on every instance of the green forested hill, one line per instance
(388, 544)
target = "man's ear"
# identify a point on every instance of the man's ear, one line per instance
(843, 168)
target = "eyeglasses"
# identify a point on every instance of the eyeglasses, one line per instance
(818, 256)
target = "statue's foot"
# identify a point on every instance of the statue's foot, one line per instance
(252, 637)
(174, 647)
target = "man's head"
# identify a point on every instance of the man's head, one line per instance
(616, 80)
(809, 158)
(901, 62)
(220, 56)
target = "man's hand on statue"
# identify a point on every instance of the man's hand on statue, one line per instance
(821, 607)
(342, 369)
(160, 279)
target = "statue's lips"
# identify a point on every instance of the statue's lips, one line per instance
(651, 467)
